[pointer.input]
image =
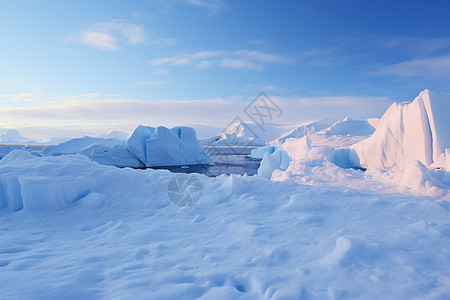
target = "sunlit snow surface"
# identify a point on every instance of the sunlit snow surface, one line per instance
(120, 237)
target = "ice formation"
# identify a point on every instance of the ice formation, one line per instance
(279, 157)
(407, 132)
(146, 147)
(160, 146)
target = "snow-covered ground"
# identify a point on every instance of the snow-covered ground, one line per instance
(115, 234)
(309, 227)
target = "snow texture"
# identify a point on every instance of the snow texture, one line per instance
(75, 229)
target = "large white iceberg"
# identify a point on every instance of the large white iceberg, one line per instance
(408, 132)
(160, 146)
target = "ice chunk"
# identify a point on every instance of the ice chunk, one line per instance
(291, 150)
(258, 153)
(136, 144)
(166, 147)
(407, 132)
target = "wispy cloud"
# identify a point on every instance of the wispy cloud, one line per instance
(151, 83)
(211, 6)
(419, 47)
(240, 59)
(113, 35)
(208, 111)
(436, 66)
(22, 97)
(161, 72)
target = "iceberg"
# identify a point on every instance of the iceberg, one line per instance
(408, 132)
(160, 146)
(279, 157)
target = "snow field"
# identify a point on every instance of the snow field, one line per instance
(246, 238)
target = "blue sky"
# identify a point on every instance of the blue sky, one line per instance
(118, 63)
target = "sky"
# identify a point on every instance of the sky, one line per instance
(71, 68)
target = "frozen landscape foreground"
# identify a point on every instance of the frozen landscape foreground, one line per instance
(116, 235)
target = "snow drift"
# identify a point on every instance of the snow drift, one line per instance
(29, 182)
(408, 132)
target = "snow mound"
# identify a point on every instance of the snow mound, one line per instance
(407, 132)
(12, 136)
(160, 146)
(350, 127)
(111, 152)
(41, 183)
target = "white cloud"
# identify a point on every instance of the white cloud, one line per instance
(239, 64)
(151, 83)
(240, 59)
(86, 110)
(211, 6)
(418, 46)
(100, 40)
(112, 35)
(161, 72)
(435, 67)
(21, 98)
